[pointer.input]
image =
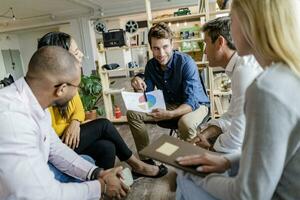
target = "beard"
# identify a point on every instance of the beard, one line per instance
(61, 104)
(62, 107)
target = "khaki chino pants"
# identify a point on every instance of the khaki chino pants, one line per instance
(187, 124)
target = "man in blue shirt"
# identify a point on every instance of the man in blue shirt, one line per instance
(176, 74)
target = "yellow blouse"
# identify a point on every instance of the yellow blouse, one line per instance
(75, 112)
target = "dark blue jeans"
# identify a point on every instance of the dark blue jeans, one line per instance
(64, 178)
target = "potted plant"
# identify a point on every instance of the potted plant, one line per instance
(91, 95)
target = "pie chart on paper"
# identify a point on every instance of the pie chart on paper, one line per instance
(136, 101)
(149, 104)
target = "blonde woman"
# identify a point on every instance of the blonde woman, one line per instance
(269, 165)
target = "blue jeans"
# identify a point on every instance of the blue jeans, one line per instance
(64, 178)
(188, 190)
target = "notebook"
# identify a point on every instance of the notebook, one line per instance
(167, 148)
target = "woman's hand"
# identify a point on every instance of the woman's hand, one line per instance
(207, 162)
(71, 136)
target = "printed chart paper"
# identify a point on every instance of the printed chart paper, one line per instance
(136, 101)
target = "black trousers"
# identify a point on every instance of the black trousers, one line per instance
(101, 140)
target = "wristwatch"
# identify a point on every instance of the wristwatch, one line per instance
(96, 173)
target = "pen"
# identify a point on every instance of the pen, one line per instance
(145, 96)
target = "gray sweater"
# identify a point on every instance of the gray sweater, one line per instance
(269, 167)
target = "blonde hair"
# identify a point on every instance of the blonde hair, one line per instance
(272, 28)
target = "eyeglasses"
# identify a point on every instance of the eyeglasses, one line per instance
(69, 84)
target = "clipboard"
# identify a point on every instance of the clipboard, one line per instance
(167, 148)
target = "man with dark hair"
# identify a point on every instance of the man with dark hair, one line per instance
(176, 74)
(219, 27)
(226, 134)
(28, 141)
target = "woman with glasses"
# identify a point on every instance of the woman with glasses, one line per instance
(98, 138)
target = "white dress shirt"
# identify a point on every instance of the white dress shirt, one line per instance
(28, 142)
(242, 71)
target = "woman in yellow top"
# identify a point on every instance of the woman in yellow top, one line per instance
(98, 138)
(65, 126)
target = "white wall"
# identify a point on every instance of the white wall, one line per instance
(7, 41)
(28, 43)
(88, 45)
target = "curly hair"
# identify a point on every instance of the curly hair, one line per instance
(160, 31)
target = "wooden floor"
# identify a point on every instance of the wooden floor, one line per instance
(148, 188)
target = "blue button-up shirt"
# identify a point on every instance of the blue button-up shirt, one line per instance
(180, 81)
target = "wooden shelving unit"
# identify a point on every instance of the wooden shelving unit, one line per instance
(192, 50)
(192, 17)
(105, 80)
(124, 47)
(214, 94)
(123, 69)
(188, 40)
(220, 12)
(220, 93)
(108, 92)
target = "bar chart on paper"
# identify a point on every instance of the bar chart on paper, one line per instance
(137, 102)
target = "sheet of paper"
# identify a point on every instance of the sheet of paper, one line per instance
(167, 149)
(136, 101)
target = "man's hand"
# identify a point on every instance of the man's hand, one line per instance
(203, 135)
(114, 186)
(201, 141)
(161, 114)
(207, 162)
(138, 84)
(71, 136)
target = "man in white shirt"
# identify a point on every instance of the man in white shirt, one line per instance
(230, 127)
(28, 141)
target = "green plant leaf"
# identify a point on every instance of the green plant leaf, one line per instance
(90, 92)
